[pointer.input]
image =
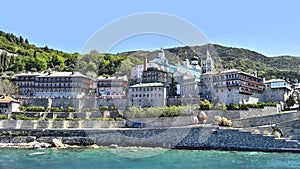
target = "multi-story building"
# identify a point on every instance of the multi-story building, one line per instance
(55, 84)
(155, 75)
(110, 86)
(26, 83)
(231, 86)
(147, 95)
(277, 90)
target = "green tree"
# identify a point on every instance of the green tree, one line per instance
(290, 101)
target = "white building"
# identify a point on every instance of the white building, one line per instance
(54, 85)
(111, 86)
(8, 105)
(147, 95)
(277, 90)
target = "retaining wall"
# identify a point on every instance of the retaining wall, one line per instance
(42, 124)
(182, 137)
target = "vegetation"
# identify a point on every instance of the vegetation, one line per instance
(222, 121)
(7, 87)
(3, 116)
(220, 106)
(232, 106)
(19, 55)
(290, 101)
(152, 112)
(205, 105)
(32, 109)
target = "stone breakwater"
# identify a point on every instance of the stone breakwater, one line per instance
(192, 137)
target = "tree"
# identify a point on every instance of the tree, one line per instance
(26, 41)
(205, 105)
(290, 101)
(7, 88)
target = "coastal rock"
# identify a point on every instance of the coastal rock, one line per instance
(94, 146)
(58, 144)
(113, 146)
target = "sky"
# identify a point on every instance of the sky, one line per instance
(270, 27)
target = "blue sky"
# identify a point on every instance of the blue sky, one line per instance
(271, 27)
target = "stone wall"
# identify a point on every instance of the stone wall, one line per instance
(195, 137)
(266, 120)
(90, 103)
(42, 124)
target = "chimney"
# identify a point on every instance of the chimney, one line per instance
(145, 64)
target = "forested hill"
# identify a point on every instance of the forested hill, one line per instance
(18, 55)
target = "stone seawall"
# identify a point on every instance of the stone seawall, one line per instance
(193, 137)
(64, 124)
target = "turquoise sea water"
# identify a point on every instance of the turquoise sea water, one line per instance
(143, 158)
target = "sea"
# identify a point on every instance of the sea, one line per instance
(140, 158)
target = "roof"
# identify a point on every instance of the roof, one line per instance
(8, 99)
(63, 74)
(29, 74)
(274, 81)
(115, 78)
(147, 85)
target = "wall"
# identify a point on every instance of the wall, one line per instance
(266, 120)
(42, 124)
(119, 102)
(188, 138)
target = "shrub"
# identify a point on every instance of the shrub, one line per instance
(205, 105)
(71, 109)
(104, 108)
(244, 107)
(3, 116)
(222, 121)
(34, 109)
(232, 106)
(220, 106)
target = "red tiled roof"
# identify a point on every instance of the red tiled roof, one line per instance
(8, 99)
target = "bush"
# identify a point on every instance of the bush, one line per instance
(71, 109)
(220, 106)
(205, 105)
(222, 121)
(104, 108)
(244, 107)
(33, 109)
(232, 106)
(3, 116)
(153, 112)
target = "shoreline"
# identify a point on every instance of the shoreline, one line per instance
(194, 137)
(98, 147)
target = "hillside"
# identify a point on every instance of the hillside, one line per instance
(284, 67)
(18, 55)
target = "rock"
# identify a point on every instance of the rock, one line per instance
(37, 146)
(94, 146)
(58, 144)
(45, 145)
(113, 146)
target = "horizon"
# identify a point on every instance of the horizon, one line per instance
(268, 27)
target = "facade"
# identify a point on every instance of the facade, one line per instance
(111, 86)
(8, 105)
(147, 95)
(55, 85)
(277, 90)
(26, 83)
(231, 86)
(154, 75)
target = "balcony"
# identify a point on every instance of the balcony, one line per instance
(247, 92)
